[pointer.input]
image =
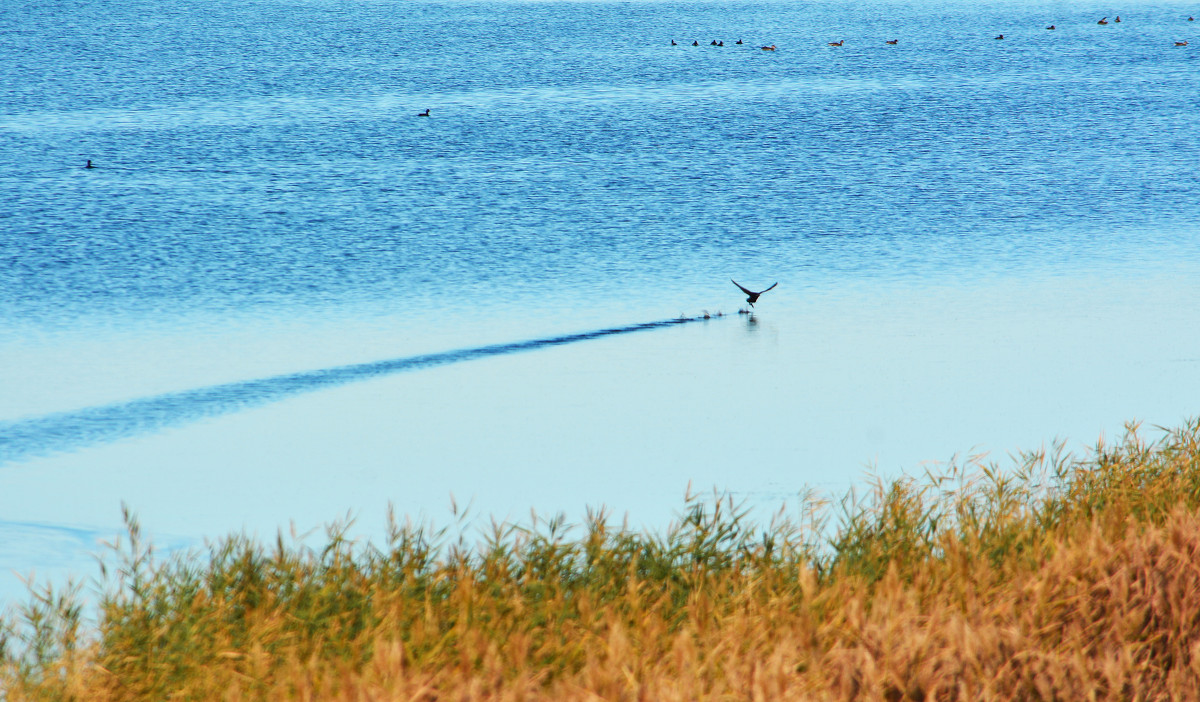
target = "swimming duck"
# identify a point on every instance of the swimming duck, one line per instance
(695, 43)
(893, 41)
(837, 43)
(751, 297)
(739, 41)
(673, 43)
(89, 164)
(1118, 19)
(1000, 37)
(424, 114)
(1103, 20)
(1050, 27)
(769, 48)
(1178, 43)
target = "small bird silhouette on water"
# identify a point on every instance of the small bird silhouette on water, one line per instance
(751, 297)
(424, 114)
(89, 164)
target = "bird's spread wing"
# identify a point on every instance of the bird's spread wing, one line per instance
(741, 288)
(770, 288)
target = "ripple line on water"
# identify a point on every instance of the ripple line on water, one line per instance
(72, 430)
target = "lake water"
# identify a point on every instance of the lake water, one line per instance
(981, 245)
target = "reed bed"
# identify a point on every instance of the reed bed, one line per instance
(1058, 577)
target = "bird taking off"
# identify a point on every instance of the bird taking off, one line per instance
(751, 297)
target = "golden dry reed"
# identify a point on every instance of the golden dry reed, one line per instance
(1058, 578)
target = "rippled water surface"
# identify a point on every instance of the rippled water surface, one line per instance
(981, 245)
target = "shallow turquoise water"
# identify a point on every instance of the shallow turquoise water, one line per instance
(981, 245)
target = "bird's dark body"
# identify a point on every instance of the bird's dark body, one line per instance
(751, 296)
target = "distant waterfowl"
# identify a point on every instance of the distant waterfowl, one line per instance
(89, 164)
(695, 43)
(713, 43)
(769, 48)
(1050, 27)
(893, 41)
(720, 43)
(751, 297)
(1178, 43)
(424, 114)
(739, 41)
(1118, 19)
(999, 37)
(1191, 19)
(837, 43)
(1103, 20)
(673, 43)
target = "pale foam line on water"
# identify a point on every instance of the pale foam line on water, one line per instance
(300, 109)
(67, 431)
(280, 110)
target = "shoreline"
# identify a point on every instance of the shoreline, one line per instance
(1064, 573)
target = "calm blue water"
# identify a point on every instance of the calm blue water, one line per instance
(981, 245)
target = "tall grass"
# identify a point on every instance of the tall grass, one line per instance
(1057, 577)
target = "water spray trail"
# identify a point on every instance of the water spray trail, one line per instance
(66, 431)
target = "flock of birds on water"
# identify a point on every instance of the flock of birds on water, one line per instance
(893, 42)
(840, 42)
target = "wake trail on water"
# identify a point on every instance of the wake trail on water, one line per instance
(68, 431)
